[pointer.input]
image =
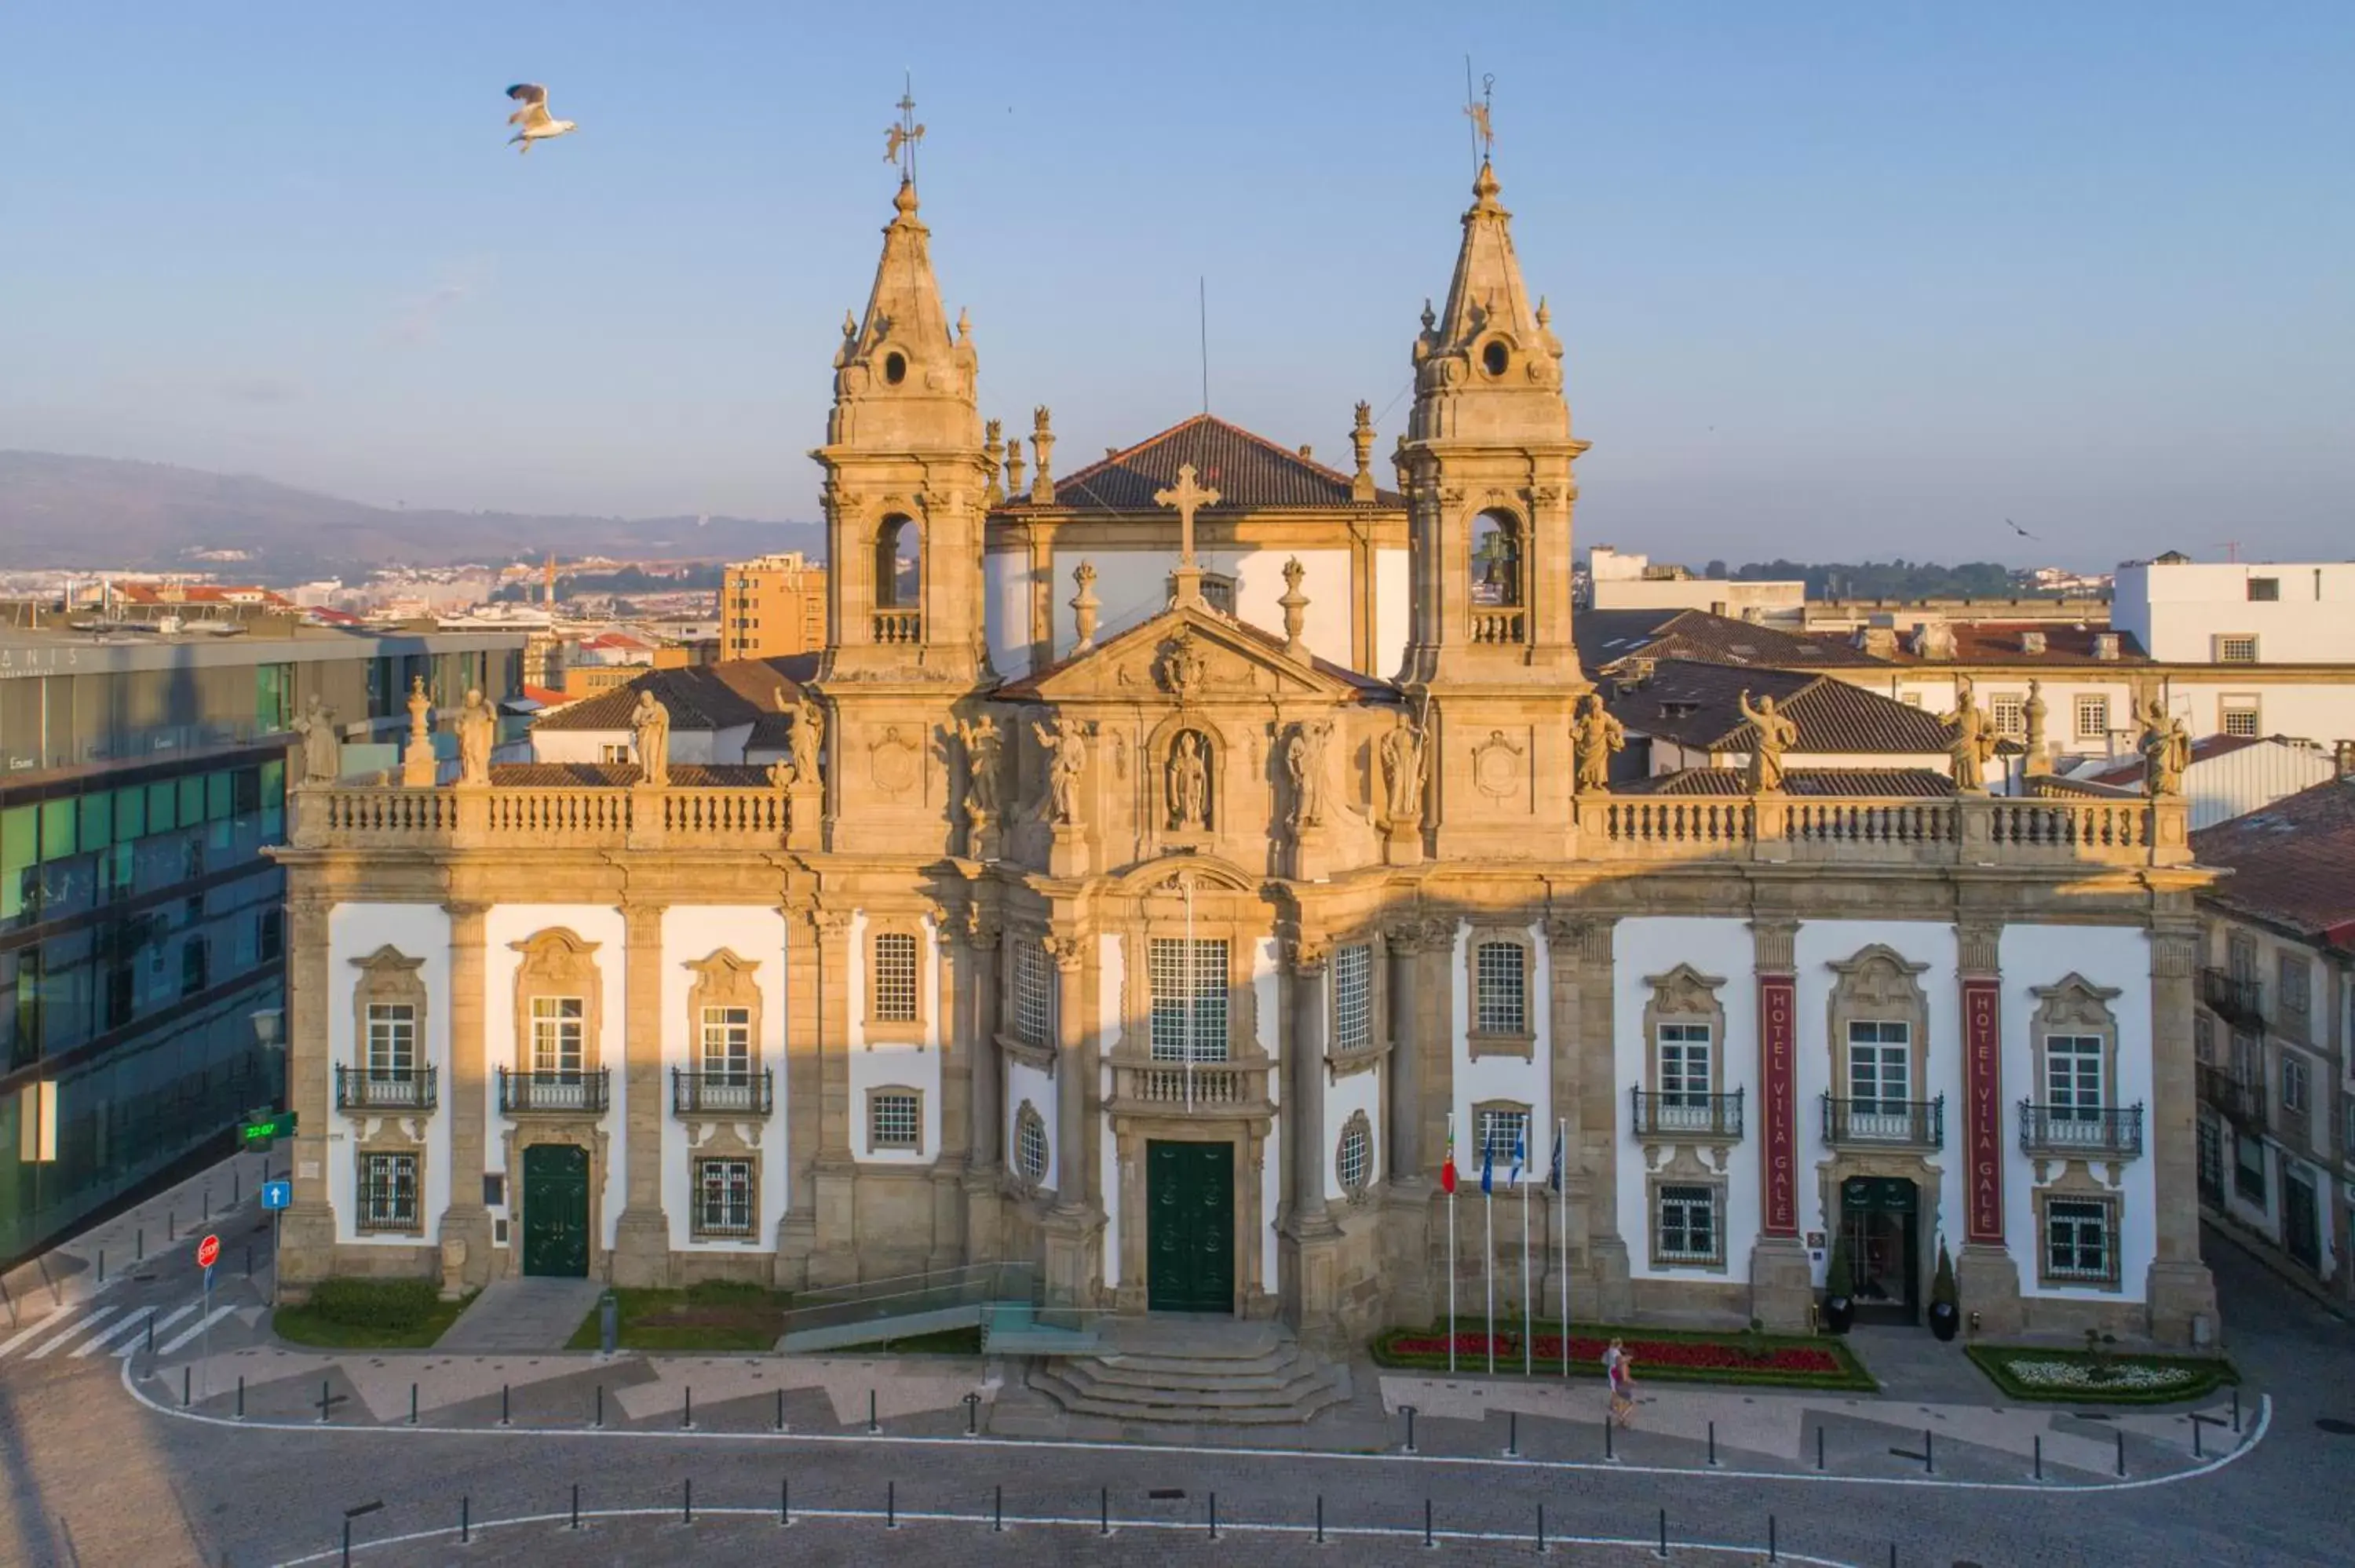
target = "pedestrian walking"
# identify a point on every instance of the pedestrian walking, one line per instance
(1623, 1384)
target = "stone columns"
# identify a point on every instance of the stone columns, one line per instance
(1074, 1227)
(1403, 947)
(2179, 1291)
(1781, 1287)
(642, 1235)
(1313, 1233)
(984, 1136)
(1596, 1132)
(1565, 965)
(804, 1102)
(1986, 1275)
(467, 1094)
(306, 1237)
(834, 1181)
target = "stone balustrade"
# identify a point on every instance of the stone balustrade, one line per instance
(540, 817)
(1217, 1089)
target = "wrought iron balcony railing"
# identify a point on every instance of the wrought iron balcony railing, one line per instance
(524, 1094)
(387, 1088)
(731, 1091)
(1885, 1124)
(2241, 1101)
(2110, 1132)
(2238, 998)
(1680, 1113)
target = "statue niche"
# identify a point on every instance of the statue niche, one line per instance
(1186, 782)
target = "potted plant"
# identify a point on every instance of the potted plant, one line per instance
(1839, 1286)
(1945, 1307)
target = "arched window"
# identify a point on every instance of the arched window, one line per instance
(899, 564)
(1495, 561)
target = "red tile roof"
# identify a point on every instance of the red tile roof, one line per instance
(2292, 863)
(1607, 638)
(1906, 783)
(2202, 750)
(2001, 642)
(619, 775)
(1699, 705)
(1250, 473)
(700, 696)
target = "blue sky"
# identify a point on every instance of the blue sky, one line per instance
(1835, 280)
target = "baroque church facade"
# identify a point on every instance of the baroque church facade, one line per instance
(1165, 871)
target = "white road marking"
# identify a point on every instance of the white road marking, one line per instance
(128, 1326)
(71, 1330)
(131, 1347)
(193, 1330)
(39, 1325)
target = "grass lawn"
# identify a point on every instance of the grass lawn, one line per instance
(940, 1343)
(368, 1315)
(2077, 1377)
(1670, 1355)
(717, 1315)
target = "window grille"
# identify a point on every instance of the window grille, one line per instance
(2078, 1241)
(391, 1039)
(1030, 1143)
(2009, 711)
(1034, 994)
(2239, 716)
(1353, 999)
(1355, 1155)
(1500, 1127)
(1503, 1000)
(894, 982)
(556, 1034)
(1180, 977)
(2092, 717)
(892, 1121)
(1688, 1227)
(387, 1192)
(2240, 650)
(723, 1197)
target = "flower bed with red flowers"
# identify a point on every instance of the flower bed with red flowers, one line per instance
(1678, 1355)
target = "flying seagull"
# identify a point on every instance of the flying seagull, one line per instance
(2018, 529)
(533, 116)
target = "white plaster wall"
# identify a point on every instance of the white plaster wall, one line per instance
(1024, 1082)
(506, 925)
(1006, 610)
(551, 745)
(2112, 958)
(2177, 610)
(692, 933)
(1495, 1077)
(895, 1063)
(417, 931)
(1273, 1039)
(1721, 949)
(1132, 586)
(1259, 585)
(1393, 611)
(1108, 1034)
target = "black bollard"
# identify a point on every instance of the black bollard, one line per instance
(972, 1413)
(686, 1501)
(1214, 1516)
(412, 1405)
(1771, 1554)
(1664, 1532)
(240, 1396)
(872, 1424)
(781, 1410)
(171, 1225)
(101, 1266)
(1410, 1426)
(139, 1244)
(1893, 1554)
(503, 1405)
(151, 1336)
(600, 1407)
(465, 1521)
(2236, 1410)
(1541, 1545)
(184, 1391)
(1426, 1523)
(784, 1500)
(997, 1512)
(1512, 1435)
(1320, 1517)
(2040, 1456)
(1103, 1511)
(1712, 1445)
(686, 1410)
(575, 1505)
(1819, 1447)
(208, 1191)
(891, 1505)
(347, 1544)
(323, 1405)
(1929, 1454)
(1609, 1444)
(2122, 1450)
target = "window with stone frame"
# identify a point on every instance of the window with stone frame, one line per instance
(2203, 1038)
(2236, 648)
(1353, 1158)
(2249, 1167)
(387, 1192)
(2008, 712)
(1500, 978)
(2249, 1061)
(2092, 717)
(2081, 1240)
(557, 1004)
(1687, 1223)
(2293, 978)
(614, 752)
(2297, 1080)
(2074, 1076)
(1879, 1066)
(556, 1033)
(1188, 981)
(1687, 1055)
(1034, 993)
(892, 986)
(2240, 714)
(895, 1120)
(1029, 1144)
(727, 1044)
(2210, 1139)
(727, 1197)
(392, 1040)
(1880, 1036)
(1353, 999)
(1498, 1127)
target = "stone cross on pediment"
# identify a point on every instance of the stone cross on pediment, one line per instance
(1188, 497)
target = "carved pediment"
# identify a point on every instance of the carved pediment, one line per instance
(1684, 990)
(389, 961)
(1879, 977)
(2075, 1003)
(1186, 657)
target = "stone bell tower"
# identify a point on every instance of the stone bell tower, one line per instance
(905, 478)
(1486, 467)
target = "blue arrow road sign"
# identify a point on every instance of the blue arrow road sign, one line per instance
(277, 1194)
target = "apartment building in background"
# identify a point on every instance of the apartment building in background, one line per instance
(772, 607)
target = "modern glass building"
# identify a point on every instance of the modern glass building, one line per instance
(141, 929)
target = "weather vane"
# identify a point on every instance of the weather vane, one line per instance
(1483, 135)
(900, 142)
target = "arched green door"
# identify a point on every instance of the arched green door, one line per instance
(556, 1210)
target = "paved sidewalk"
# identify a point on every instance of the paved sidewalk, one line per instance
(529, 1312)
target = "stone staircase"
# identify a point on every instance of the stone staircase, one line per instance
(1197, 1372)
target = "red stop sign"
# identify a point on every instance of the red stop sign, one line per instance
(207, 1252)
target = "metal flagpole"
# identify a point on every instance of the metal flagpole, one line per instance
(1488, 1249)
(1528, 1335)
(1451, 1279)
(1561, 1202)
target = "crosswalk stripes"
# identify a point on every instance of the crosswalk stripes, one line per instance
(193, 1330)
(131, 1347)
(71, 1330)
(38, 1326)
(127, 1327)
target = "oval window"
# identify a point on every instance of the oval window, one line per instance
(895, 368)
(1494, 359)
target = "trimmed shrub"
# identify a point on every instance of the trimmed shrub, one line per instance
(393, 1305)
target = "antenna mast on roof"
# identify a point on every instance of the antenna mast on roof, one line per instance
(1203, 316)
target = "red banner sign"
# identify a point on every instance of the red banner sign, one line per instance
(1983, 1091)
(1778, 1111)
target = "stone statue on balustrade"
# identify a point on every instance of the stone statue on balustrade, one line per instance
(650, 737)
(477, 728)
(1973, 741)
(1594, 735)
(1304, 764)
(323, 748)
(1403, 753)
(2166, 747)
(809, 742)
(983, 749)
(1776, 734)
(1067, 749)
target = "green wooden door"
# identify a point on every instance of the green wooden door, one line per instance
(556, 1210)
(1189, 1193)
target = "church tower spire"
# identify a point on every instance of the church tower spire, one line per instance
(1485, 465)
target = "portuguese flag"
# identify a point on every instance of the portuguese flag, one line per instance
(1447, 1166)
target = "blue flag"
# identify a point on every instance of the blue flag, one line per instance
(1521, 1149)
(1554, 1176)
(1489, 1162)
